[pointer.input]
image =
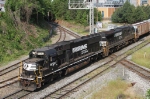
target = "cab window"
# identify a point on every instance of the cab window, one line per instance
(52, 59)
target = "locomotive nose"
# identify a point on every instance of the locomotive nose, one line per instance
(30, 66)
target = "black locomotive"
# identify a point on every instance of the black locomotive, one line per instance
(46, 63)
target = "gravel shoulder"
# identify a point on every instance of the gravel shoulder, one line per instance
(119, 72)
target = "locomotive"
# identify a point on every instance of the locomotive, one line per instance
(49, 62)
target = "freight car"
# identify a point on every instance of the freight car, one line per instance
(47, 63)
(141, 28)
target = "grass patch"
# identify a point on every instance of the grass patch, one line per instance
(80, 29)
(76, 27)
(113, 90)
(16, 42)
(13, 57)
(142, 57)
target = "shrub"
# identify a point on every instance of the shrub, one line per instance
(148, 94)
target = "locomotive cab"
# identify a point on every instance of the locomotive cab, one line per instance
(33, 70)
(104, 44)
(103, 41)
(31, 73)
(30, 67)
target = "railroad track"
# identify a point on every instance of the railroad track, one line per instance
(61, 38)
(135, 68)
(4, 81)
(17, 65)
(9, 82)
(127, 54)
(65, 91)
(9, 69)
(68, 89)
(70, 32)
(62, 34)
(17, 94)
(12, 79)
(66, 30)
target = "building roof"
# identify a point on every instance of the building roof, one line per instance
(2, 2)
(109, 3)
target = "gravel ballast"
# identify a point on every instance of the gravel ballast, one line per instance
(66, 80)
(119, 72)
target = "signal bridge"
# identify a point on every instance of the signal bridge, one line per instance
(79, 4)
(84, 4)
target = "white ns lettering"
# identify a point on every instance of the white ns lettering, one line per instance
(79, 48)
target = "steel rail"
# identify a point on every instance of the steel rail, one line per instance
(138, 69)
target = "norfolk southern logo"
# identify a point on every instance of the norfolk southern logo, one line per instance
(118, 34)
(79, 48)
(25, 66)
(29, 67)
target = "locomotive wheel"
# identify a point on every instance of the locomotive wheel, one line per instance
(52, 78)
(103, 55)
(60, 74)
(96, 58)
(63, 73)
(135, 40)
(126, 43)
(99, 56)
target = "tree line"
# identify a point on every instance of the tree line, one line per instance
(130, 14)
(23, 26)
(59, 10)
(34, 10)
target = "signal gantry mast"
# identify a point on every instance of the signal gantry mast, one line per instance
(84, 4)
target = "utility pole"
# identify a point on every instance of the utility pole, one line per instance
(84, 4)
(91, 18)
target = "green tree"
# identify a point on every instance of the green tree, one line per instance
(16, 29)
(148, 94)
(27, 8)
(129, 14)
(146, 9)
(84, 18)
(62, 12)
(139, 15)
(129, 10)
(97, 15)
(118, 16)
